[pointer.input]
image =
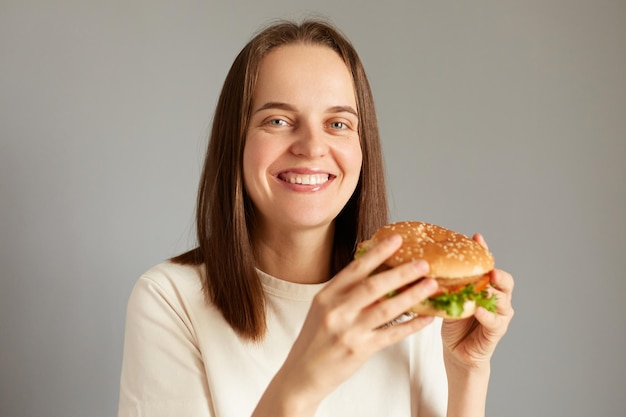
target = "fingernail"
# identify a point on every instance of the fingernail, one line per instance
(421, 265)
(431, 284)
(394, 239)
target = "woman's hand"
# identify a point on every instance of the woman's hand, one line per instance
(343, 329)
(471, 342)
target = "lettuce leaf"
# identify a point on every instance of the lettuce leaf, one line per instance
(359, 252)
(452, 302)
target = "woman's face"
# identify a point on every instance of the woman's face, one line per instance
(302, 157)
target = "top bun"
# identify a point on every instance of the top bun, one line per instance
(452, 256)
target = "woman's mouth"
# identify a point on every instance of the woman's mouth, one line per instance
(304, 179)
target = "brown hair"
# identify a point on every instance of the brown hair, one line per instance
(224, 212)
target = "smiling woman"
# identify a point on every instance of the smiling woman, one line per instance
(302, 157)
(227, 221)
(269, 315)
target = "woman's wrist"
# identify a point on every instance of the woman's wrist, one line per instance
(286, 396)
(467, 388)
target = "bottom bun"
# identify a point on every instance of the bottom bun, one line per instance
(427, 309)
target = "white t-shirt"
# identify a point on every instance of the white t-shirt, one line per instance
(181, 358)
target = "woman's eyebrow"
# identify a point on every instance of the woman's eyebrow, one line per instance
(288, 107)
(276, 105)
(342, 109)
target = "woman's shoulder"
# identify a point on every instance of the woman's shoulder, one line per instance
(168, 271)
(170, 281)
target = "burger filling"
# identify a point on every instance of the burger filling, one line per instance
(453, 300)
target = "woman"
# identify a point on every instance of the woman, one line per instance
(269, 316)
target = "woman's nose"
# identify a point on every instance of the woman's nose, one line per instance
(310, 142)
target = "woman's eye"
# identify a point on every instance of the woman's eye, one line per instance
(338, 125)
(277, 122)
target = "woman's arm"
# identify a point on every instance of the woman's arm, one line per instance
(469, 345)
(342, 331)
(467, 390)
(162, 368)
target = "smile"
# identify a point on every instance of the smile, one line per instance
(309, 179)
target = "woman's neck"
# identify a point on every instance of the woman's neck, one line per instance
(298, 256)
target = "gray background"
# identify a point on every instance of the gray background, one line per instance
(503, 117)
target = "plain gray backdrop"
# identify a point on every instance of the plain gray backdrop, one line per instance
(503, 117)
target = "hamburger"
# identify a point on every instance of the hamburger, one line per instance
(459, 264)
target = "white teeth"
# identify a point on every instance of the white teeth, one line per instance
(315, 179)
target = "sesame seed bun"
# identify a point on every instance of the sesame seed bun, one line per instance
(452, 256)
(455, 259)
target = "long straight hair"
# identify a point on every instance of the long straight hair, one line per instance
(225, 215)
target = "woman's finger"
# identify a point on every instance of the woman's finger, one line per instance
(481, 240)
(375, 287)
(386, 309)
(503, 281)
(389, 335)
(502, 290)
(366, 263)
